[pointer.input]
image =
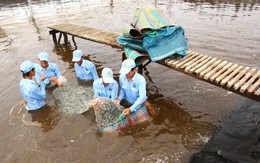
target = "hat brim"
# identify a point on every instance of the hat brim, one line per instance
(44, 59)
(124, 70)
(76, 59)
(108, 80)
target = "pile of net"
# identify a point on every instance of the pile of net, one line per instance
(73, 100)
(106, 111)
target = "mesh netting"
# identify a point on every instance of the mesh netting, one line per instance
(106, 111)
(73, 99)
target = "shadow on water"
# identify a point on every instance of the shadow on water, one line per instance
(48, 117)
(65, 50)
(238, 139)
(173, 120)
(33, 22)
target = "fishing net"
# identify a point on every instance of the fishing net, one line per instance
(106, 111)
(122, 121)
(73, 99)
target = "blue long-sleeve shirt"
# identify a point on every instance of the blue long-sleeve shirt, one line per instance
(110, 91)
(51, 71)
(86, 71)
(34, 95)
(134, 91)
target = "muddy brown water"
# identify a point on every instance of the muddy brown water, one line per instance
(190, 110)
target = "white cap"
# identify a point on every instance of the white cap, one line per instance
(127, 65)
(43, 56)
(77, 54)
(107, 75)
(26, 66)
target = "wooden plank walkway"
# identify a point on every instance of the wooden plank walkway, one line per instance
(224, 74)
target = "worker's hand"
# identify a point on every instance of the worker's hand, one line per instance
(59, 84)
(53, 79)
(94, 104)
(42, 76)
(127, 112)
(117, 101)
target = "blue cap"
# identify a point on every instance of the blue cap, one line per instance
(26, 66)
(77, 54)
(43, 56)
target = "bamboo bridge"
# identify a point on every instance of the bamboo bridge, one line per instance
(236, 78)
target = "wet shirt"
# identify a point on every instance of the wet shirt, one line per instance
(51, 71)
(86, 71)
(110, 91)
(134, 91)
(33, 94)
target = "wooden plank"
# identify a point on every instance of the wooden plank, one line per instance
(214, 70)
(200, 64)
(254, 86)
(88, 32)
(244, 79)
(112, 34)
(109, 36)
(199, 59)
(257, 93)
(68, 29)
(250, 82)
(112, 40)
(237, 77)
(226, 73)
(97, 36)
(58, 26)
(187, 60)
(170, 61)
(189, 54)
(206, 65)
(77, 32)
(212, 78)
(230, 76)
(167, 60)
(210, 68)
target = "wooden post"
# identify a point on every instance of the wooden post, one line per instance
(65, 37)
(73, 39)
(53, 33)
(59, 37)
(123, 56)
(140, 69)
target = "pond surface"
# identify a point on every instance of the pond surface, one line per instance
(190, 111)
